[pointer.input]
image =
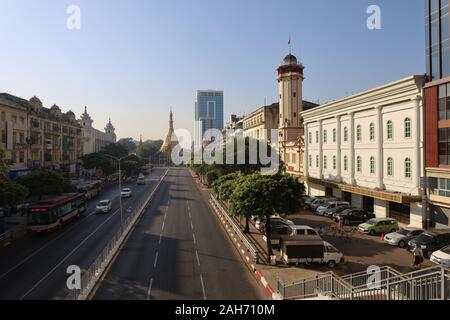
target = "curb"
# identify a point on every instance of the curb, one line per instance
(249, 261)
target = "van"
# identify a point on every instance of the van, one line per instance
(289, 230)
(141, 179)
(309, 249)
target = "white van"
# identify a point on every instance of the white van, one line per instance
(141, 179)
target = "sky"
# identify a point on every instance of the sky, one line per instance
(132, 60)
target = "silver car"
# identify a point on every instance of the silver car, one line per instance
(402, 237)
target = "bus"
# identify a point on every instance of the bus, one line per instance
(91, 189)
(50, 214)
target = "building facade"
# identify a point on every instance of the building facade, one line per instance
(35, 136)
(95, 140)
(258, 124)
(233, 128)
(368, 149)
(208, 113)
(437, 111)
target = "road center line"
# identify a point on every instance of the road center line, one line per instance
(193, 236)
(198, 260)
(149, 291)
(203, 287)
(156, 260)
(160, 238)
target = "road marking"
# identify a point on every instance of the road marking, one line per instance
(193, 236)
(160, 238)
(149, 291)
(163, 224)
(156, 260)
(192, 226)
(203, 287)
(198, 260)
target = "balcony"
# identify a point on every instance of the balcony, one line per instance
(20, 146)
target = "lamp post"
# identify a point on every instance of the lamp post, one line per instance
(120, 183)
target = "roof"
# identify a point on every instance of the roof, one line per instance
(55, 201)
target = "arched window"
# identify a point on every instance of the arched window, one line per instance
(345, 134)
(372, 132)
(390, 130)
(358, 133)
(325, 160)
(390, 167)
(325, 137)
(334, 162)
(358, 164)
(408, 133)
(334, 135)
(407, 168)
(310, 138)
(372, 165)
(345, 163)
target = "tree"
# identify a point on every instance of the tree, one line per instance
(211, 176)
(11, 193)
(97, 161)
(44, 182)
(149, 149)
(116, 150)
(225, 185)
(129, 166)
(128, 143)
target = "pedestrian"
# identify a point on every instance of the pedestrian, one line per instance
(418, 256)
(341, 223)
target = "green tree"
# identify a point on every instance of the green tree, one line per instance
(211, 176)
(128, 143)
(11, 193)
(149, 149)
(97, 161)
(116, 150)
(129, 166)
(45, 182)
(225, 185)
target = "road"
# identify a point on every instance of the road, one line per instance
(34, 267)
(178, 251)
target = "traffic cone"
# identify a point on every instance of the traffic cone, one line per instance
(382, 237)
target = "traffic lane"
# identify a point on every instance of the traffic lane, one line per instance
(129, 276)
(225, 274)
(22, 248)
(31, 271)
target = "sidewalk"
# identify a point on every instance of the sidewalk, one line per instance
(15, 227)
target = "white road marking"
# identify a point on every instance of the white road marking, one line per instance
(192, 226)
(198, 260)
(203, 287)
(163, 224)
(160, 238)
(156, 260)
(193, 236)
(149, 291)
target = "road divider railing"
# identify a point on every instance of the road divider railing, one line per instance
(236, 229)
(91, 276)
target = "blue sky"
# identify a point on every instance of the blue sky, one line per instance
(133, 59)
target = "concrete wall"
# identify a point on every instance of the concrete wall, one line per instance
(381, 208)
(357, 201)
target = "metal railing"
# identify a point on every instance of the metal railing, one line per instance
(237, 230)
(427, 284)
(93, 274)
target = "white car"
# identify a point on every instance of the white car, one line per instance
(126, 193)
(330, 205)
(441, 257)
(103, 206)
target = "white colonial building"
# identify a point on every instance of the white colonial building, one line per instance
(368, 149)
(95, 140)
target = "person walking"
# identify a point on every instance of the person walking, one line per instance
(418, 256)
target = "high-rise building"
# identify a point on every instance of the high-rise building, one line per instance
(208, 114)
(437, 111)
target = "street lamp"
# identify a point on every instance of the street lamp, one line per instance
(120, 183)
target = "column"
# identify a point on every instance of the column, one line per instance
(352, 147)
(320, 149)
(380, 156)
(338, 149)
(306, 153)
(415, 127)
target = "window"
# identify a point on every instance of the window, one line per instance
(372, 132)
(317, 137)
(317, 161)
(444, 146)
(390, 130)
(407, 168)
(295, 94)
(345, 163)
(310, 161)
(294, 158)
(408, 128)
(21, 157)
(345, 134)
(310, 138)
(325, 162)
(358, 164)
(288, 157)
(334, 162)
(334, 135)
(358, 133)
(443, 188)
(444, 102)
(372, 165)
(325, 138)
(390, 167)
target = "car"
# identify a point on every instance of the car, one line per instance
(259, 220)
(378, 225)
(141, 180)
(336, 210)
(402, 237)
(290, 230)
(430, 241)
(320, 201)
(275, 223)
(309, 202)
(126, 193)
(330, 205)
(354, 216)
(441, 257)
(103, 206)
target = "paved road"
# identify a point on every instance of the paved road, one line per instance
(178, 250)
(34, 267)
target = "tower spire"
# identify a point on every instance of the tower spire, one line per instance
(290, 46)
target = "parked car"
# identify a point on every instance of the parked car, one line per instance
(402, 237)
(320, 201)
(288, 230)
(330, 205)
(379, 225)
(309, 249)
(334, 211)
(306, 201)
(441, 257)
(430, 241)
(103, 206)
(354, 216)
(313, 200)
(258, 220)
(126, 193)
(275, 223)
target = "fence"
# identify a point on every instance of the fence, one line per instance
(93, 274)
(427, 284)
(237, 230)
